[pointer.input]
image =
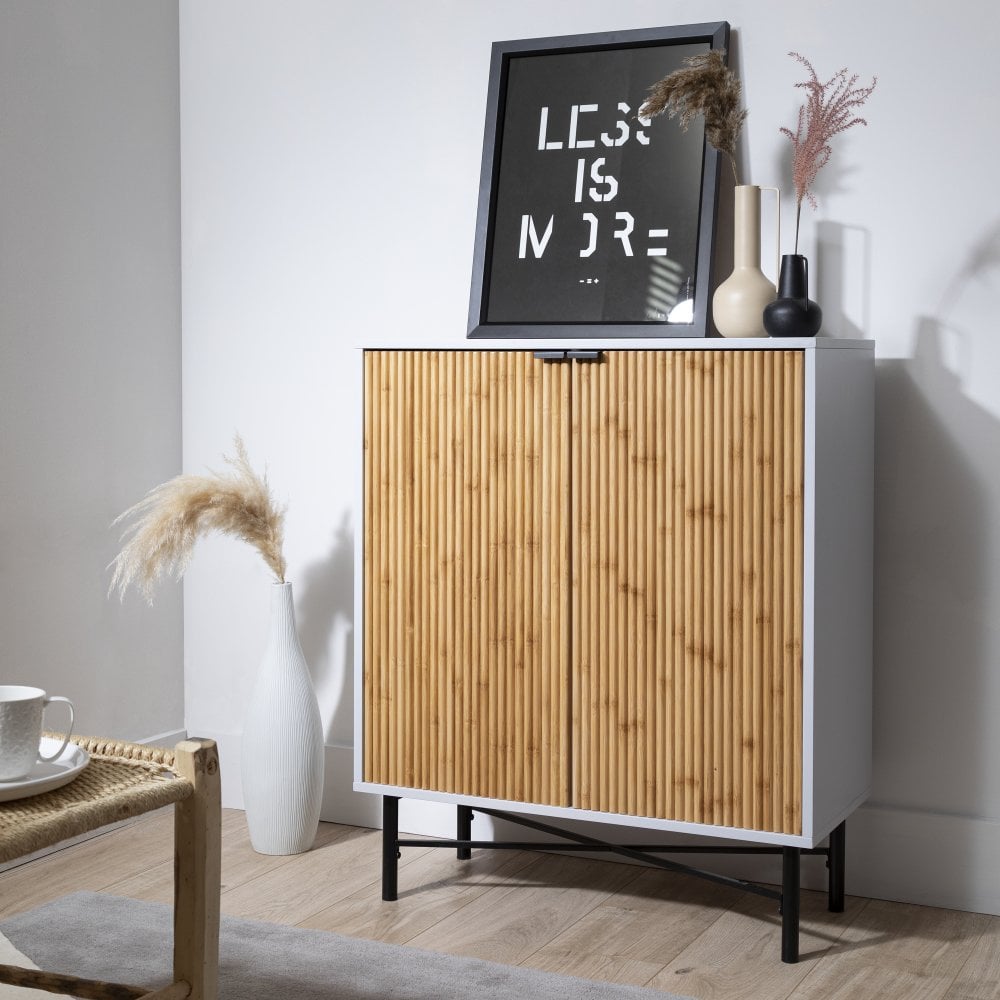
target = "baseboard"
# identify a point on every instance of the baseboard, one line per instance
(341, 804)
(910, 856)
(167, 739)
(927, 858)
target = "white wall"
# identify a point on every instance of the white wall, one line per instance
(89, 348)
(330, 170)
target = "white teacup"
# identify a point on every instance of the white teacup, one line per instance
(21, 710)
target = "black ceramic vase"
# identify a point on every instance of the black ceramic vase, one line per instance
(793, 313)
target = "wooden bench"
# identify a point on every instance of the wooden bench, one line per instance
(123, 780)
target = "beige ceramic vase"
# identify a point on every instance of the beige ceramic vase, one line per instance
(738, 303)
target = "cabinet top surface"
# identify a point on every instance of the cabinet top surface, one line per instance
(632, 344)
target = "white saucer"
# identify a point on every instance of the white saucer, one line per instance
(44, 777)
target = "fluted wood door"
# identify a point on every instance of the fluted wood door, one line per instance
(687, 526)
(466, 573)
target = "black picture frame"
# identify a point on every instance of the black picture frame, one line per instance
(568, 244)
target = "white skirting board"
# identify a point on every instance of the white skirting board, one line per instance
(905, 855)
(341, 804)
(923, 857)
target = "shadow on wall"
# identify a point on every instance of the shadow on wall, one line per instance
(326, 630)
(843, 289)
(937, 641)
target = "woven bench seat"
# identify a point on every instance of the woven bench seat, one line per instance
(123, 780)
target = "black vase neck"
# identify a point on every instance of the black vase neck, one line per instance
(793, 282)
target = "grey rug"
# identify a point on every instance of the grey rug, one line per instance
(124, 940)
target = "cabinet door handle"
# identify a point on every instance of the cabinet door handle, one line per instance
(550, 355)
(585, 355)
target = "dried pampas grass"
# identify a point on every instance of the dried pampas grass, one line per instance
(828, 110)
(174, 515)
(704, 86)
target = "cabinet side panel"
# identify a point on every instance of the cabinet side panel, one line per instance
(687, 611)
(841, 722)
(466, 580)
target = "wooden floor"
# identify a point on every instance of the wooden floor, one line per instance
(595, 919)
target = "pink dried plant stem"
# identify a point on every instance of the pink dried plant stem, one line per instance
(828, 110)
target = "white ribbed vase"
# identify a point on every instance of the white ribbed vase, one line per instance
(283, 742)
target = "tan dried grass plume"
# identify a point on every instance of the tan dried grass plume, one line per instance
(703, 86)
(174, 515)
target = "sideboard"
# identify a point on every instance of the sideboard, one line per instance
(630, 585)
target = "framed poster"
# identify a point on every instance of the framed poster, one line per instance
(593, 222)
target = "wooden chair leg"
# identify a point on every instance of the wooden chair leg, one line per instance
(197, 870)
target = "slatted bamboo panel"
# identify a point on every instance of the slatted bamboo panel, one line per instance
(687, 478)
(466, 589)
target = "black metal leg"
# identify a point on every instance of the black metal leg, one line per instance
(390, 847)
(790, 857)
(464, 831)
(838, 839)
